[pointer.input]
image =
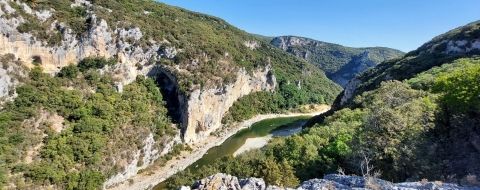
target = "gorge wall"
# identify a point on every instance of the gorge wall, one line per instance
(212, 104)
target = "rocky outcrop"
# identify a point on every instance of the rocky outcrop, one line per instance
(224, 181)
(349, 91)
(206, 108)
(142, 158)
(331, 181)
(12, 72)
(201, 111)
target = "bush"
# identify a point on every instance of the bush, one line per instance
(70, 71)
(95, 63)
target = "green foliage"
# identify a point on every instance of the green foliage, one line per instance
(298, 84)
(457, 82)
(404, 131)
(273, 172)
(97, 125)
(461, 87)
(428, 56)
(70, 71)
(94, 63)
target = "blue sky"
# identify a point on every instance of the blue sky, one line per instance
(401, 24)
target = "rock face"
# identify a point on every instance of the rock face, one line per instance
(201, 112)
(11, 74)
(331, 181)
(227, 182)
(100, 40)
(339, 62)
(214, 103)
(142, 158)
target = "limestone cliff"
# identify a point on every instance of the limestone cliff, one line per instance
(12, 72)
(214, 103)
(100, 40)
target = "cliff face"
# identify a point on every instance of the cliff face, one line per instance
(340, 63)
(100, 40)
(206, 108)
(201, 111)
(12, 72)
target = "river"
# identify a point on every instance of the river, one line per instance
(250, 138)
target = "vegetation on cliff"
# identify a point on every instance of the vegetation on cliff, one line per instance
(201, 45)
(293, 90)
(95, 126)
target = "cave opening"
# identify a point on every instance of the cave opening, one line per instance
(171, 94)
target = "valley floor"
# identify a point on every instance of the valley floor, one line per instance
(156, 174)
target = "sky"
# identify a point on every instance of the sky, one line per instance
(400, 24)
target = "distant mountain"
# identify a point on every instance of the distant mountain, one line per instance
(339, 62)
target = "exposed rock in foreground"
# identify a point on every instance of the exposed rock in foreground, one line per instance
(331, 181)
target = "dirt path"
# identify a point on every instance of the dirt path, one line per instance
(156, 174)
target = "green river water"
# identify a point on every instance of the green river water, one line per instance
(276, 127)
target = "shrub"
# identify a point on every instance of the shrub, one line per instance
(95, 63)
(70, 71)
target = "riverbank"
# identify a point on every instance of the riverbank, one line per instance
(252, 144)
(156, 174)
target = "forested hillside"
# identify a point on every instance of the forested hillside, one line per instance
(339, 62)
(460, 42)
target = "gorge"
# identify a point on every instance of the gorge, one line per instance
(128, 94)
